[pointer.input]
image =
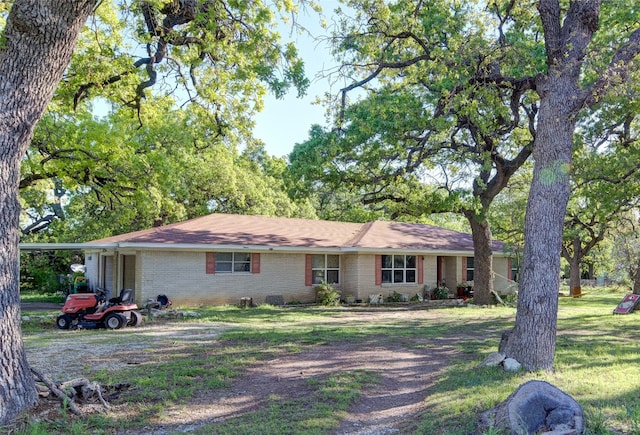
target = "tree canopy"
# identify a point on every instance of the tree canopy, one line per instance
(427, 131)
(473, 88)
(81, 175)
(155, 108)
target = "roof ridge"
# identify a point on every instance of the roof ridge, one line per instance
(364, 229)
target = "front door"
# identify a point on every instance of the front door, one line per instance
(129, 271)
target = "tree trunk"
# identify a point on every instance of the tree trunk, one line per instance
(533, 339)
(483, 260)
(575, 261)
(575, 289)
(37, 44)
(636, 278)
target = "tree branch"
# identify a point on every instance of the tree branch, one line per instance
(616, 73)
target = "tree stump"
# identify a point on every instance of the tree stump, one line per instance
(535, 407)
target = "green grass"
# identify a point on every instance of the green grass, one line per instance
(30, 296)
(597, 360)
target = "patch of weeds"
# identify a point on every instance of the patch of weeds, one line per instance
(36, 323)
(179, 380)
(461, 393)
(596, 422)
(424, 346)
(327, 295)
(63, 425)
(344, 388)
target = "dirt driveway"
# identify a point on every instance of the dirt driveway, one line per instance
(407, 371)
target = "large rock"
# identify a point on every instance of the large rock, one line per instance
(511, 365)
(535, 407)
(494, 359)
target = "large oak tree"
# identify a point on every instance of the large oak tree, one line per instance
(222, 55)
(81, 174)
(465, 74)
(38, 41)
(429, 131)
(569, 36)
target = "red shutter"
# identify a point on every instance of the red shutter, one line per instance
(308, 273)
(378, 269)
(464, 269)
(255, 262)
(211, 263)
(509, 267)
(420, 269)
(439, 269)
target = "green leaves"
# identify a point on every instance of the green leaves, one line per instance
(119, 174)
(156, 102)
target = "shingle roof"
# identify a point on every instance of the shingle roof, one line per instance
(277, 232)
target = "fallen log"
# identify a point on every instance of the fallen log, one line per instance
(57, 391)
(80, 388)
(85, 389)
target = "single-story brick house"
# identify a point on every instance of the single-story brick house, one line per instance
(220, 258)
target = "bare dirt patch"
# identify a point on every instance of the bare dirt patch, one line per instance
(80, 353)
(406, 369)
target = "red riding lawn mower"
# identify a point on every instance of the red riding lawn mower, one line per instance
(92, 310)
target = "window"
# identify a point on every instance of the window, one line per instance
(233, 262)
(398, 268)
(325, 268)
(470, 268)
(515, 270)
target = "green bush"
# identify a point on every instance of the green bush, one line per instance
(394, 297)
(441, 292)
(46, 272)
(327, 295)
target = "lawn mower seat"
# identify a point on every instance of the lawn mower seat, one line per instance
(126, 297)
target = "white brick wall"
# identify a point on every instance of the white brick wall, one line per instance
(182, 277)
(91, 261)
(501, 283)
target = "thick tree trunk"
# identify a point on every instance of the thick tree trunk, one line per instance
(38, 41)
(533, 339)
(483, 261)
(575, 261)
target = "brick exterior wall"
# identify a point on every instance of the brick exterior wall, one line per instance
(181, 275)
(91, 262)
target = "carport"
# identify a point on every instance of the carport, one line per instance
(111, 277)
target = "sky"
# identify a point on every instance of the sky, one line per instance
(286, 122)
